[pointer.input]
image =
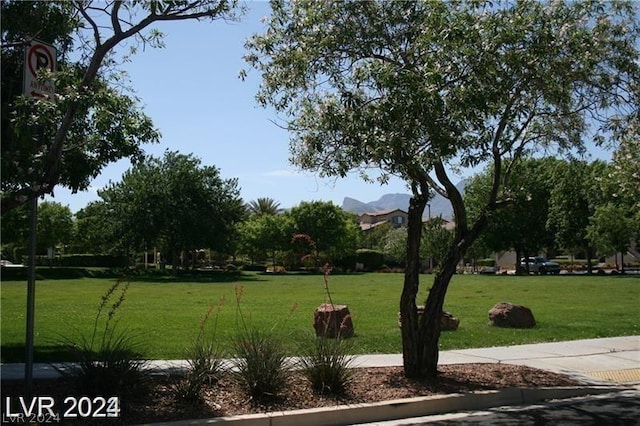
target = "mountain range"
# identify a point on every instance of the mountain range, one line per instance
(438, 206)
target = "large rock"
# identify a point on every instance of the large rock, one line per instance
(448, 322)
(505, 314)
(332, 321)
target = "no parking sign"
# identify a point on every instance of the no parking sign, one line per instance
(39, 56)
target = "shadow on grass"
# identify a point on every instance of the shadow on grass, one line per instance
(195, 277)
(16, 353)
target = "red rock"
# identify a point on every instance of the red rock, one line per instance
(333, 321)
(507, 314)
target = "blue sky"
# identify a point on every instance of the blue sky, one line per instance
(192, 91)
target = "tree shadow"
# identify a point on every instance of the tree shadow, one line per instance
(197, 276)
(16, 353)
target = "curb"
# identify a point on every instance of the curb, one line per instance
(402, 408)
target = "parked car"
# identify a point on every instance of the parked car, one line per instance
(540, 265)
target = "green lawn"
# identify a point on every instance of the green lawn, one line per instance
(164, 315)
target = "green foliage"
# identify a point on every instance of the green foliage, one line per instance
(371, 259)
(261, 364)
(263, 206)
(333, 230)
(436, 240)
(96, 230)
(106, 124)
(326, 363)
(575, 196)
(610, 230)
(175, 203)
(396, 244)
(265, 235)
(108, 360)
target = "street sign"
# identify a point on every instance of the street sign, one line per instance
(39, 56)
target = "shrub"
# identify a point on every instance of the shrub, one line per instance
(371, 259)
(326, 364)
(261, 363)
(262, 370)
(486, 262)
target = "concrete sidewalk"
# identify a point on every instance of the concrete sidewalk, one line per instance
(595, 361)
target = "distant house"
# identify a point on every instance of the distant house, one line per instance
(396, 218)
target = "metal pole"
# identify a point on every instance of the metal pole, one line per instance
(31, 296)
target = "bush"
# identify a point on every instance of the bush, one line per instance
(486, 262)
(371, 259)
(326, 364)
(261, 364)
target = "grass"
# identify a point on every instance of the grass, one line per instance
(164, 314)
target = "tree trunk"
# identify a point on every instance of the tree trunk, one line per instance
(429, 327)
(411, 347)
(519, 267)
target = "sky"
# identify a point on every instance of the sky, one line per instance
(192, 91)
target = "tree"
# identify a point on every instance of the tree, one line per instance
(522, 225)
(420, 89)
(55, 225)
(97, 230)
(334, 231)
(610, 230)
(435, 241)
(68, 140)
(574, 199)
(177, 203)
(264, 206)
(265, 234)
(396, 244)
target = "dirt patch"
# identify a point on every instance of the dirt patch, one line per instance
(369, 385)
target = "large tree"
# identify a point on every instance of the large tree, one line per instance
(522, 225)
(418, 89)
(333, 231)
(176, 203)
(574, 199)
(91, 122)
(55, 225)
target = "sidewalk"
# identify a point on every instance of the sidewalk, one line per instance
(594, 361)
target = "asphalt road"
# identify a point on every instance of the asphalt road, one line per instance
(619, 408)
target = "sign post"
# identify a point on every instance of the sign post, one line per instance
(38, 56)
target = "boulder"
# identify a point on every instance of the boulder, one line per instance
(448, 322)
(505, 314)
(333, 321)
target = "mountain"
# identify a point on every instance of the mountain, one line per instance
(438, 205)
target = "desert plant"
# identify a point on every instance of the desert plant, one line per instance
(108, 362)
(327, 365)
(261, 363)
(205, 359)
